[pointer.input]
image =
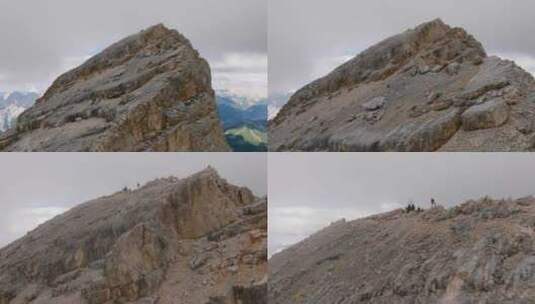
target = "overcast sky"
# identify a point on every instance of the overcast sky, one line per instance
(307, 191)
(40, 40)
(34, 187)
(307, 39)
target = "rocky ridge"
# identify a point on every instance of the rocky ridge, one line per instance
(478, 252)
(198, 239)
(148, 92)
(431, 88)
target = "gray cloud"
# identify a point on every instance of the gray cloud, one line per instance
(307, 191)
(36, 186)
(41, 39)
(307, 37)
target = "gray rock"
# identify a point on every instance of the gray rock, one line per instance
(490, 114)
(427, 137)
(441, 105)
(198, 261)
(374, 104)
(433, 96)
(453, 68)
(437, 69)
(424, 69)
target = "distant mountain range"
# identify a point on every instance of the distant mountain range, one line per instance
(244, 124)
(239, 100)
(12, 104)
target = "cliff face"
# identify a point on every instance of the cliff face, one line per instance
(479, 252)
(198, 239)
(430, 88)
(148, 92)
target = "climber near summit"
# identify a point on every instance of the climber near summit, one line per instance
(433, 203)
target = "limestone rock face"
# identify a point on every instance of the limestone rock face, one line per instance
(148, 92)
(490, 114)
(198, 239)
(479, 252)
(408, 93)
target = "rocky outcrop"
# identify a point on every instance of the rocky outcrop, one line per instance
(148, 92)
(431, 88)
(195, 239)
(478, 252)
(490, 114)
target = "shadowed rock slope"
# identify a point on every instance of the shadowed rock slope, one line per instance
(430, 88)
(479, 252)
(194, 240)
(148, 92)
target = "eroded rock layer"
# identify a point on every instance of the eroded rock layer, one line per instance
(195, 240)
(479, 252)
(432, 88)
(148, 92)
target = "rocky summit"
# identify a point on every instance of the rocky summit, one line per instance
(191, 241)
(431, 88)
(148, 92)
(481, 252)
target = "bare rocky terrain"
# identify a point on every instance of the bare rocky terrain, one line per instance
(148, 92)
(478, 252)
(194, 240)
(431, 88)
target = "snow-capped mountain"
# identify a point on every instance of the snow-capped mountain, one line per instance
(12, 104)
(241, 101)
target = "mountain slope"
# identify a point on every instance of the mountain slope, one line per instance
(148, 92)
(427, 89)
(252, 136)
(479, 252)
(199, 239)
(247, 139)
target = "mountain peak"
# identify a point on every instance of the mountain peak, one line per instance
(435, 23)
(209, 171)
(159, 27)
(159, 241)
(150, 91)
(160, 31)
(432, 41)
(426, 89)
